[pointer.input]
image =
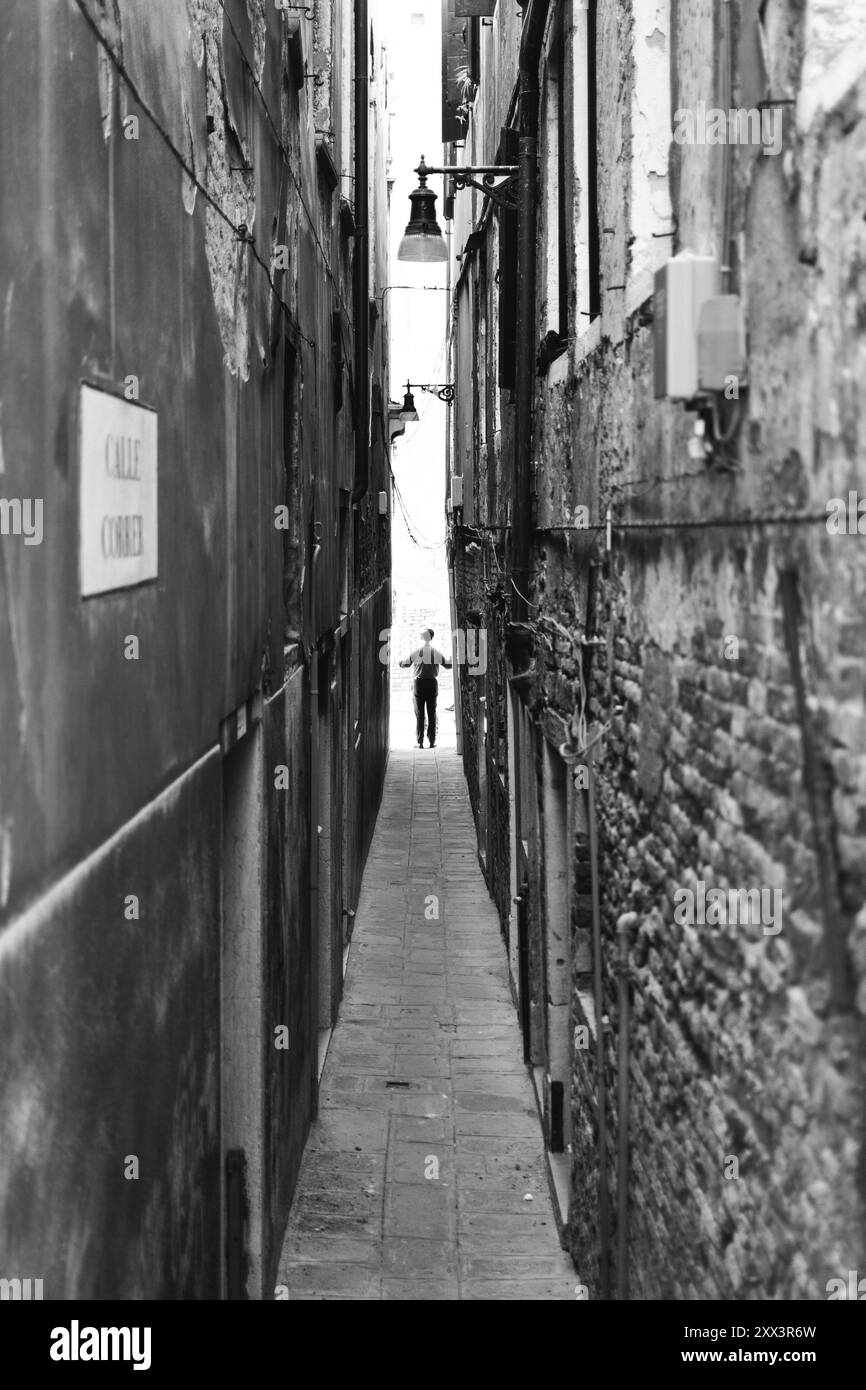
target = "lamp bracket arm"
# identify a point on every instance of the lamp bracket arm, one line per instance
(495, 181)
(462, 169)
(501, 192)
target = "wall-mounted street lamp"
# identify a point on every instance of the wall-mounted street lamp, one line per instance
(416, 289)
(423, 239)
(407, 413)
(399, 416)
(444, 392)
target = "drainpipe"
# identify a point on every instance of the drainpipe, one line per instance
(315, 924)
(623, 928)
(362, 253)
(448, 357)
(452, 600)
(530, 98)
(600, 1020)
(455, 658)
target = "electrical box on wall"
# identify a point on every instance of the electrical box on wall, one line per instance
(456, 492)
(682, 286)
(722, 363)
(383, 504)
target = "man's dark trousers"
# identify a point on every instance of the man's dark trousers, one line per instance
(426, 691)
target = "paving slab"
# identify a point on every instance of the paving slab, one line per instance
(413, 1258)
(407, 1290)
(414, 1180)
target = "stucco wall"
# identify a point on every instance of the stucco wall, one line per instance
(114, 265)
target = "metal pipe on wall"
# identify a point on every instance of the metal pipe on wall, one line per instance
(623, 928)
(531, 41)
(449, 458)
(592, 592)
(601, 1088)
(315, 925)
(362, 253)
(455, 657)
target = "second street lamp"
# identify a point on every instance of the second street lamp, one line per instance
(445, 393)
(408, 411)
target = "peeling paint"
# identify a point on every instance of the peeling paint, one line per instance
(107, 77)
(5, 860)
(190, 189)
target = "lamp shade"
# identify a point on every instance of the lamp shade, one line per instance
(423, 239)
(408, 411)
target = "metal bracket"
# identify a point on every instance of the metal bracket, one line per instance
(500, 189)
(498, 181)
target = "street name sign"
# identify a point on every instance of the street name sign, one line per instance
(118, 544)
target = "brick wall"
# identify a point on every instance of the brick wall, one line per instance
(727, 693)
(736, 1050)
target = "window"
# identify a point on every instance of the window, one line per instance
(585, 127)
(473, 44)
(559, 192)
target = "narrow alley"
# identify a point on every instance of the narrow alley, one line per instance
(424, 1175)
(432, 666)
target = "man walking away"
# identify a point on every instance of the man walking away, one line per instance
(426, 661)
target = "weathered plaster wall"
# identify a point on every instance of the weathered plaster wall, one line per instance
(110, 1051)
(112, 264)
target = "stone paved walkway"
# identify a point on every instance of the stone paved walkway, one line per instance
(417, 1176)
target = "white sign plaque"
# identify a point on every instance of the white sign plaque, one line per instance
(118, 513)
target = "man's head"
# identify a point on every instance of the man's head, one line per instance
(427, 634)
